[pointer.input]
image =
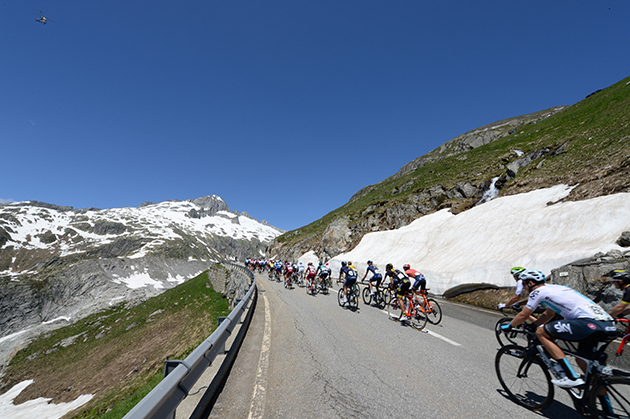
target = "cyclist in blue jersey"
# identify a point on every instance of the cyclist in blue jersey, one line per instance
(376, 277)
(351, 277)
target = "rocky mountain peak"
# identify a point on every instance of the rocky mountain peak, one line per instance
(211, 204)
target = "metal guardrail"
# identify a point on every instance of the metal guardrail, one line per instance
(162, 401)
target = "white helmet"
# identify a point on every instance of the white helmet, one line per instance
(532, 275)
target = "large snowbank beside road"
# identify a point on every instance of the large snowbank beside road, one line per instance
(481, 245)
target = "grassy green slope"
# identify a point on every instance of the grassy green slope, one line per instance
(596, 155)
(118, 354)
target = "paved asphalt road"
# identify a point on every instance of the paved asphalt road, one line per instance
(306, 357)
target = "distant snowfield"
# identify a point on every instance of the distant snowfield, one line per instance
(40, 407)
(143, 279)
(483, 243)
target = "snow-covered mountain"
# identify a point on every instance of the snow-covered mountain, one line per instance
(58, 264)
(32, 232)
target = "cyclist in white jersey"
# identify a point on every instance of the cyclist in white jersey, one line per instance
(583, 321)
(516, 272)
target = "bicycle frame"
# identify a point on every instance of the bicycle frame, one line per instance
(626, 336)
(425, 304)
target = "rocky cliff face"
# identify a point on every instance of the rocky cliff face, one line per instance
(585, 276)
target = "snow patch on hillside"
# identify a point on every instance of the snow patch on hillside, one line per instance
(40, 407)
(483, 243)
(144, 279)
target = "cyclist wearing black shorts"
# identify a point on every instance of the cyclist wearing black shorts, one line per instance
(583, 321)
(399, 283)
(323, 271)
(351, 278)
(376, 277)
(420, 282)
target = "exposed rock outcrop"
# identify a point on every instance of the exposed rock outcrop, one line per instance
(585, 276)
(624, 239)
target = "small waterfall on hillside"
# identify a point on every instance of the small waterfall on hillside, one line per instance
(491, 193)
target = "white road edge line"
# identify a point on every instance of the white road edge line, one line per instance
(437, 335)
(445, 339)
(256, 409)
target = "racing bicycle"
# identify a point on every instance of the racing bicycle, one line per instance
(412, 309)
(378, 297)
(525, 374)
(429, 306)
(352, 297)
(311, 286)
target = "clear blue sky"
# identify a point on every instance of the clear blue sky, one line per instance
(283, 108)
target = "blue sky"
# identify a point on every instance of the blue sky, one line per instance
(283, 108)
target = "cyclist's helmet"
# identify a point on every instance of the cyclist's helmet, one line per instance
(389, 267)
(406, 267)
(369, 262)
(619, 275)
(516, 271)
(532, 275)
(310, 264)
(343, 263)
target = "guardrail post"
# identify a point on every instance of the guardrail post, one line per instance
(219, 321)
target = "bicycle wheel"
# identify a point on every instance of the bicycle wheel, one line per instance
(510, 338)
(617, 390)
(379, 299)
(367, 297)
(323, 286)
(340, 297)
(525, 379)
(419, 319)
(434, 311)
(314, 288)
(353, 299)
(394, 311)
(387, 296)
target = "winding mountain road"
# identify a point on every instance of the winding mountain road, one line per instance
(306, 357)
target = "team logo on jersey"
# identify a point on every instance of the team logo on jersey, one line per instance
(592, 326)
(563, 327)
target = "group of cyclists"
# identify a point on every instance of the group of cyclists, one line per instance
(567, 314)
(401, 282)
(292, 271)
